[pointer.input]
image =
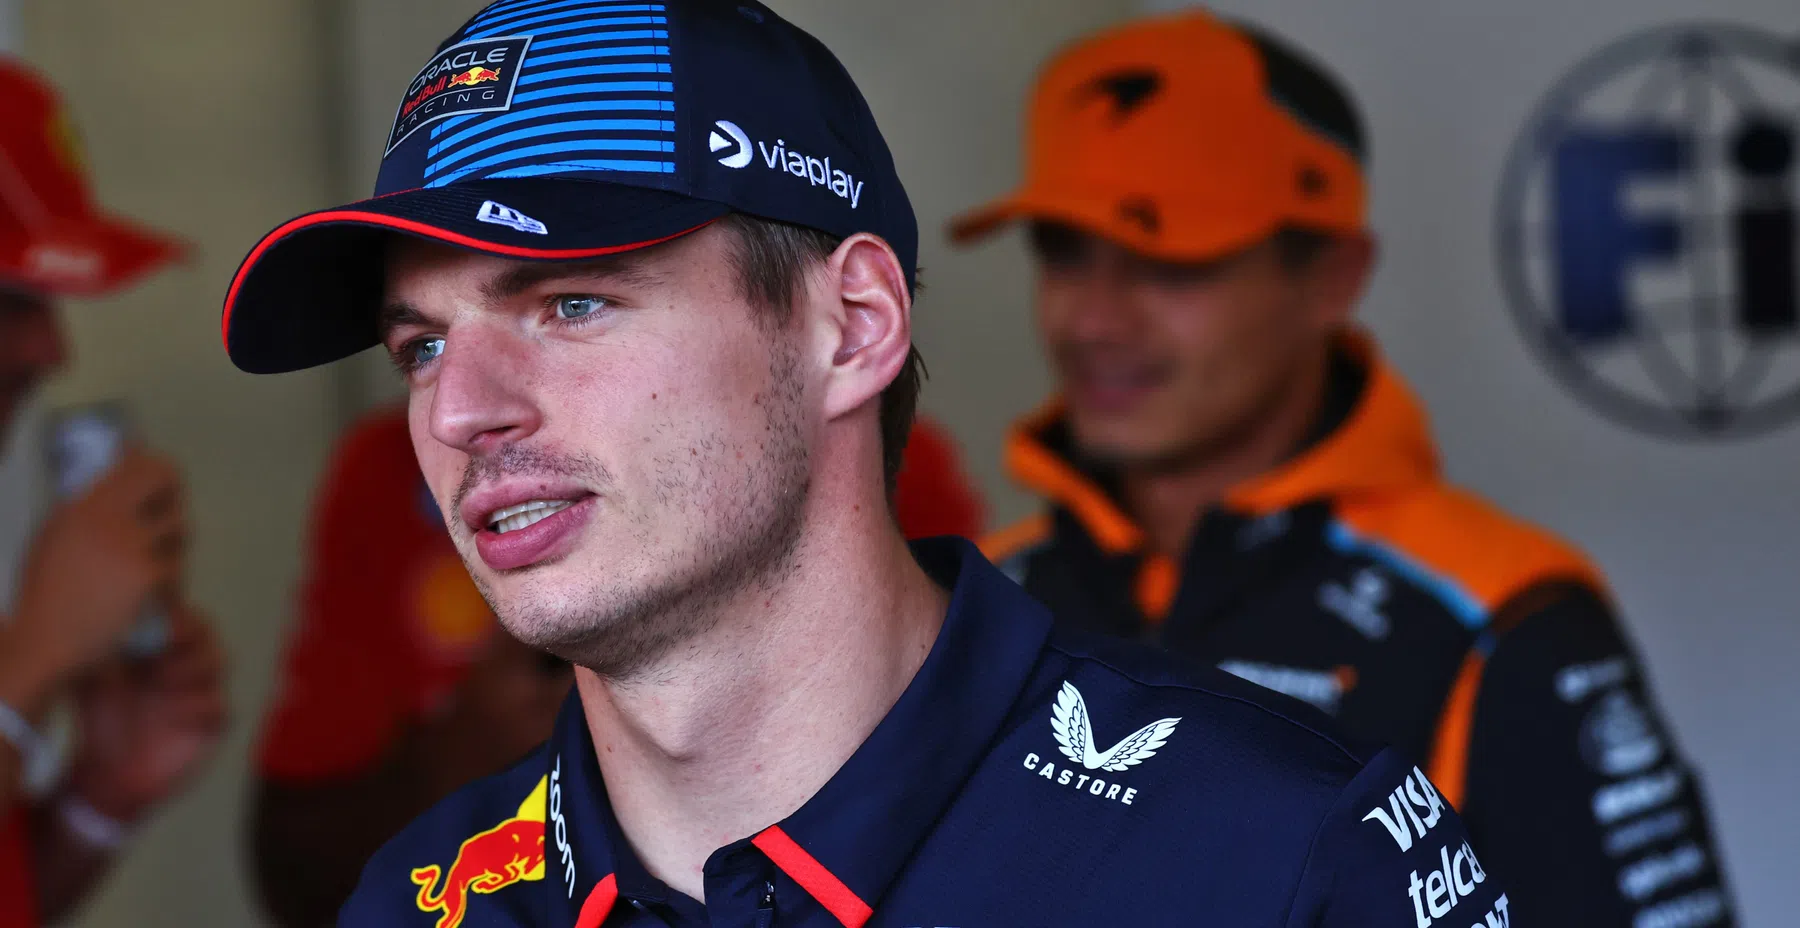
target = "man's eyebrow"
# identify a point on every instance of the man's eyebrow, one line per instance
(624, 269)
(397, 313)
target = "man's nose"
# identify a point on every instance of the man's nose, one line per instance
(1104, 307)
(482, 399)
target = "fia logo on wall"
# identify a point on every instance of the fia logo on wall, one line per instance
(1647, 231)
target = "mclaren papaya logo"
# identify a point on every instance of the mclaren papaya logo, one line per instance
(726, 135)
(1074, 733)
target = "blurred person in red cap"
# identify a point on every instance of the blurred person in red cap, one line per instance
(143, 726)
(399, 684)
(1233, 471)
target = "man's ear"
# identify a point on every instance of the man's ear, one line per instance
(869, 322)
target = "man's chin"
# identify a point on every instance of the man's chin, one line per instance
(1133, 450)
(554, 607)
(1119, 442)
(541, 627)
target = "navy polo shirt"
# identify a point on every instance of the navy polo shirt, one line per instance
(1025, 777)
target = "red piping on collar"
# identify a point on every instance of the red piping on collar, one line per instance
(812, 876)
(599, 903)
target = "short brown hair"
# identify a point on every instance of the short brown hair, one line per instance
(772, 259)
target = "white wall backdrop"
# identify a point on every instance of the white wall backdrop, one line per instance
(1700, 539)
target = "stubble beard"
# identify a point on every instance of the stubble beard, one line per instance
(744, 517)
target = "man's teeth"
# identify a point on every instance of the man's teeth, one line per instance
(513, 518)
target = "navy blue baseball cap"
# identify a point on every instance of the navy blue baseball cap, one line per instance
(557, 130)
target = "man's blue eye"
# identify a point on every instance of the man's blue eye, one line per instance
(575, 307)
(426, 350)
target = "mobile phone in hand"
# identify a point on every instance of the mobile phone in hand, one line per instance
(84, 443)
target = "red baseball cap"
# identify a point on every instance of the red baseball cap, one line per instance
(53, 238)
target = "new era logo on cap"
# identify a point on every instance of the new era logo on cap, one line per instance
(496, 214)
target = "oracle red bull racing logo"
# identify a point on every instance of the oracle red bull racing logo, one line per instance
(508, 853)
(473, 77)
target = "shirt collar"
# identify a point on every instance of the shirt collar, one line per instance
(850, 841)
(1384, 445)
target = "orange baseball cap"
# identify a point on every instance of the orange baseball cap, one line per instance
(53, 238)
(1185, 138)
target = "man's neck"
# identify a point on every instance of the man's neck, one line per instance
(736, 731)
(1167, 502)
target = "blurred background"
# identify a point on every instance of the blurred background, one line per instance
(220, 118)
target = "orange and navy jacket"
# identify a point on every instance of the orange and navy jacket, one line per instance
(1026, 776)
(1356, 579)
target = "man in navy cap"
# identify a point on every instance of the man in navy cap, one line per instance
(648, 271)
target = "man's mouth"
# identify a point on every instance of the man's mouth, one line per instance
(1112, 388)
(534, 531)
(519, 521)
(525, 515)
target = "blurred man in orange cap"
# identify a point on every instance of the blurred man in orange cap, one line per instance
(144, 725)
(1233, 471)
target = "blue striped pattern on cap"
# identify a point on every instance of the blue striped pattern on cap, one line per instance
(595, 93)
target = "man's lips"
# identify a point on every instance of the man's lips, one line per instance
(479, 508)
(1111, 391)
(547, 538)
(521, 521)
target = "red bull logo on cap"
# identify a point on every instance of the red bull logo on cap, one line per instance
(508, 853)
(477, 76)
(474, 76)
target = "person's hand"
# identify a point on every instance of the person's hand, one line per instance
(99, 558)
(146, 727)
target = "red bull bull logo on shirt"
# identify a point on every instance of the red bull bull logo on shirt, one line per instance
(508, 853)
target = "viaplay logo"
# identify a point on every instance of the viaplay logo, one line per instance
(471, 77)
(733, 148)
(1647, 231)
